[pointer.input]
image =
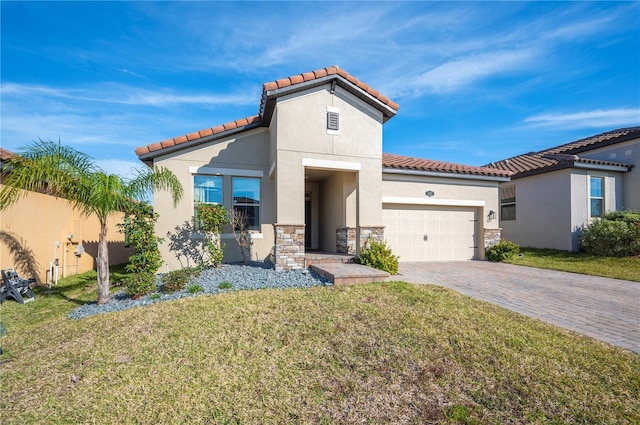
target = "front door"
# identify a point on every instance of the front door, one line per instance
(307, 221)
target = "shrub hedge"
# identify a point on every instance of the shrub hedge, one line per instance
(616, 234)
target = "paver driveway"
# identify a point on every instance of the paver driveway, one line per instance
(605, 309)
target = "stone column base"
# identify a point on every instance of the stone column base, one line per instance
(491, 237)
(288, 246)
(375, 232)
(346, 240)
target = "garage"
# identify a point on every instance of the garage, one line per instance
(431, 233)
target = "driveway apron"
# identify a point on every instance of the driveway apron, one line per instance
(602, 308)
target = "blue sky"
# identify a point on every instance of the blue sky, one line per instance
(476, 82)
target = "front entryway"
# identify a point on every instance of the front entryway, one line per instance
(431, 233)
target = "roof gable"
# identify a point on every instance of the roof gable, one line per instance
(271, 91)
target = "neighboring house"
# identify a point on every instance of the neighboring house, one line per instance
(40, 228)
(557, 191)
(310, 173)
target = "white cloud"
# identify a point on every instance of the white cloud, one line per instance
(112, 93)
(587, 119)
(452, 76)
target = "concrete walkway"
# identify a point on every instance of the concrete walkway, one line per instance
(602, 308)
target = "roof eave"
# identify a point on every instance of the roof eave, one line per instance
(424, 173)
(148, 157)
(572, 164)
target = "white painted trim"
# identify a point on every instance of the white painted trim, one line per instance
(333, 132)
(331, 165)
(272, 168)
(601, 167)
(239, 172)
(428, 201)
(333, 109)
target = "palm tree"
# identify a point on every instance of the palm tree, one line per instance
(62, 171)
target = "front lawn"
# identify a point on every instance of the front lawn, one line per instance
(627, 268)
(373, 353)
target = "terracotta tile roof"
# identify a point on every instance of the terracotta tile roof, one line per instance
(600, 140)
(5, 154)
(326, 72)
(238, 125)
(270, 92)
(419, 164)
(566, 156)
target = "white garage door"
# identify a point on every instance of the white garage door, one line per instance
(423, 233)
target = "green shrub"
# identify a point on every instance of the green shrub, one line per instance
(616, 234)
(379, 256)
(194, 289)
(224, 285)
(502, 251)
(139, 284)
(177, 280)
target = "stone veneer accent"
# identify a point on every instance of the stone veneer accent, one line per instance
(376, 232)
(288, 246)
(346, 238)
(491, 237)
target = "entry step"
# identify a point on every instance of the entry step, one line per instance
(346, 273)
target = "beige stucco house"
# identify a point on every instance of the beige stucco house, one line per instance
(44, 237)
(555, 192)
(310, 173)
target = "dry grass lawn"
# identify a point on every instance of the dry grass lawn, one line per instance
(376, 353)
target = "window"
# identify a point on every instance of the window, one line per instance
(508, 203)
(246, 198)
(207, 189)
(596, 188)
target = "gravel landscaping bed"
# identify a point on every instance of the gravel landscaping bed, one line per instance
(254, 276)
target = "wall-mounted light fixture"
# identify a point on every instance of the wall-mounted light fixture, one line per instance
(430, 193)
(491, 216)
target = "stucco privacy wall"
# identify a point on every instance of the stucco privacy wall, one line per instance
(242, 155)
(30, 229)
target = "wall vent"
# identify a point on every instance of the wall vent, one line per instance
(333, 122)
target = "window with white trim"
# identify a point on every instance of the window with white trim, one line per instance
(596, 196)
(206, 190)
(508, 203)
(246, 198)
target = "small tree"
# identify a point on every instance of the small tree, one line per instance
(211, 220)
(145, 260)
(240, 228)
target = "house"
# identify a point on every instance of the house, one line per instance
(309, 172)
(44, 237)
(555, 192)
